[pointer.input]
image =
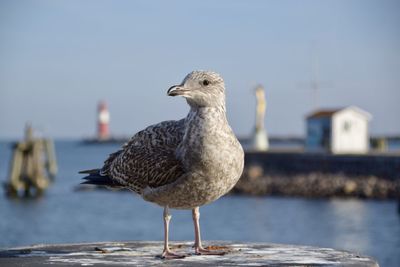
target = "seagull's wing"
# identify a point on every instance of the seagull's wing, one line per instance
(148, 159)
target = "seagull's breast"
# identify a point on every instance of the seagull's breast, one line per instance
(212, 160)
(210, 147)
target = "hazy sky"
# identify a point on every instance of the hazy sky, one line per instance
(59, 58)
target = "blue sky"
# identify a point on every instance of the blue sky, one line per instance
(59, 58)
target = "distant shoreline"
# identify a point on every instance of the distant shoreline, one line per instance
(372, 176)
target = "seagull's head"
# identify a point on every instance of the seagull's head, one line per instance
(201, 89)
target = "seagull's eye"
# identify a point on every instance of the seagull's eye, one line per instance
(206, 82)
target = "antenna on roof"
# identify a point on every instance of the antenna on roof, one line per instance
(315, 84)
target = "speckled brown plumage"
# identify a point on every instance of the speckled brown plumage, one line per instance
(181, 164)
(148, 159)
(185, 163)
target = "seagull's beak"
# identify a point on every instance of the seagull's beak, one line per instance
(176, 90)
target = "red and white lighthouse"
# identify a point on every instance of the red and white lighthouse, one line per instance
(103, 120)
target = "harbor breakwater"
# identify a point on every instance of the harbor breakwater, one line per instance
(320, 175)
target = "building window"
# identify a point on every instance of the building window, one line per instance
(346, 126)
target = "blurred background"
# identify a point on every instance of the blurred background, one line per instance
(86, 75)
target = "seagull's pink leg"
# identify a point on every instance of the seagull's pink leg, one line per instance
(198, 248)
(167, 253)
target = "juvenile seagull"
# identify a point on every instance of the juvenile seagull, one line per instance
(180, 164)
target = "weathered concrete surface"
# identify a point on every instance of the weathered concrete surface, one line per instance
(144, 253)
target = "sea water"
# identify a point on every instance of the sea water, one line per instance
(64, 215)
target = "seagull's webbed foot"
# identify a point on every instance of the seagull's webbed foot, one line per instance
(199, 250)
(168, 254)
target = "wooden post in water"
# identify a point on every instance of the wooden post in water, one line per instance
(33, 166)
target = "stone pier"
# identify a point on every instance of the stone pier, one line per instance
(144, 253)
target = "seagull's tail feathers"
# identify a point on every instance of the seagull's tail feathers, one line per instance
(90, 171)
(94, 178)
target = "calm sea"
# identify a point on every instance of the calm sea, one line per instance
(65, 215)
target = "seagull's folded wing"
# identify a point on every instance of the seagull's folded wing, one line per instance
(148, 159)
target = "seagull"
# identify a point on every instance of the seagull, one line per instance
(182, 164)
